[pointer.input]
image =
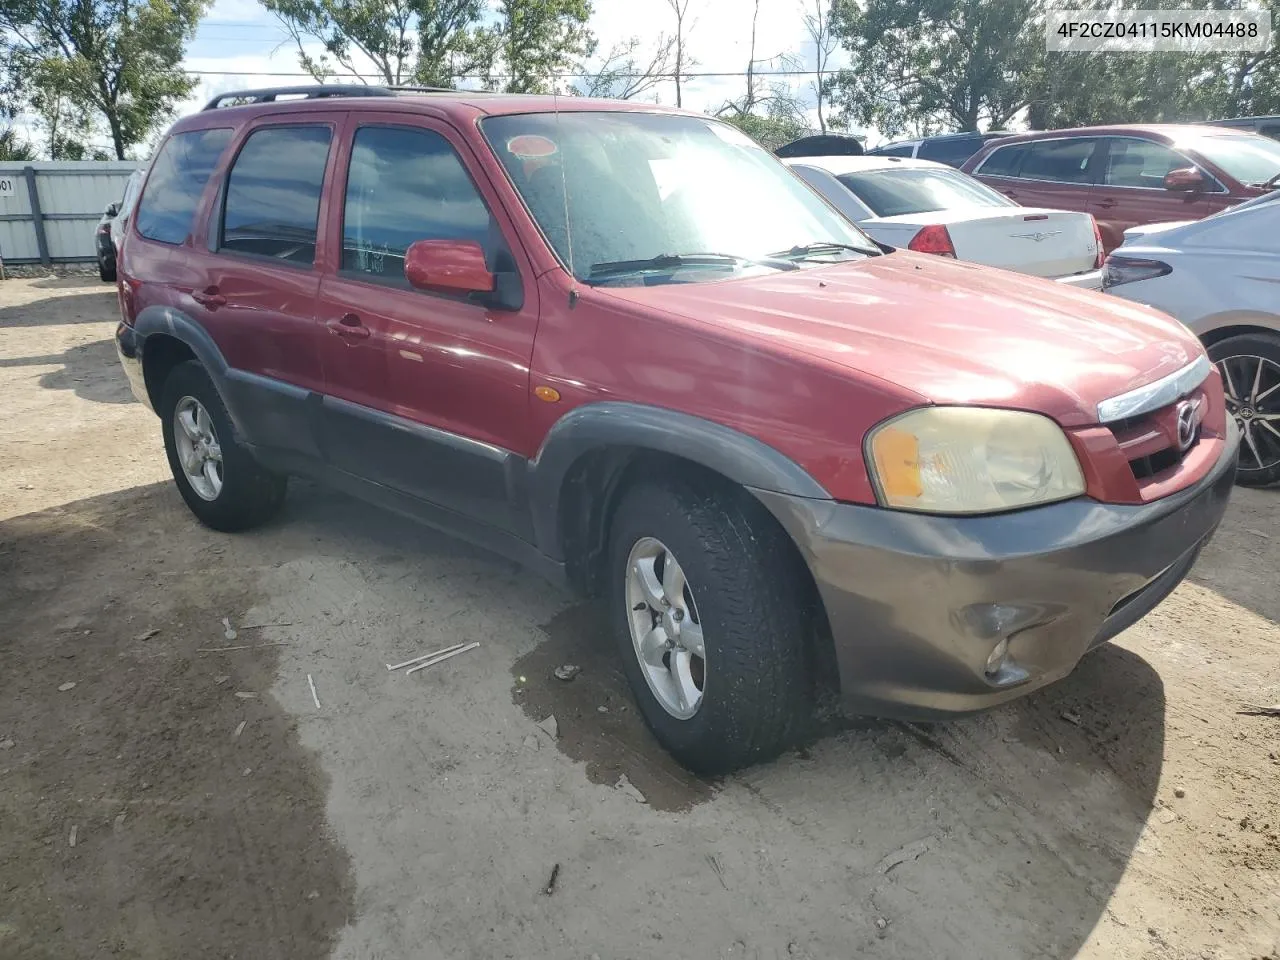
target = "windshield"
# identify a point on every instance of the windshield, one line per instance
(1248, 158)
(894, 192)
(660, 198)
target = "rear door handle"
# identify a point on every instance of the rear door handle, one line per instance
(209, 297)
(1106, 203)
(349, 327)
(1011, 194)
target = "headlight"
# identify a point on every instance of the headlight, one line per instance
(971, 460)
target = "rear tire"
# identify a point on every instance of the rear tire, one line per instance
(225, 487)
(1250, 368)
(107, 274)
(747, 597)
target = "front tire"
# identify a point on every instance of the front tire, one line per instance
(224, 486)
(1250, 368)
(106, 272)
(709, 609)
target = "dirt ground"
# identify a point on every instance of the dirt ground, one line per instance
(185, 801)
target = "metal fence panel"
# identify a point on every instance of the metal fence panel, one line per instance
(70, 197)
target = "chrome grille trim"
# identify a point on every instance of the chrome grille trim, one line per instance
(1157, 394)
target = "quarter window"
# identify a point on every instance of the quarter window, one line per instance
(178, 178)
(1140, 163)
(1062, 161)
(406, 185)
(273, 193)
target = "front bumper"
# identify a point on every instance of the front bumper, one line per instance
(1083, 281)
(916, 603)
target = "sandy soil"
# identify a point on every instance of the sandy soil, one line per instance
(1128, 812)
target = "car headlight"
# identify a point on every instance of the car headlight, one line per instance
(971, 460)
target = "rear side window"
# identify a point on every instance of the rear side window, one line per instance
(952, 151)
(273, 193)
(406, 185)
(1061, 161)
(895, 192)
(895, 150)
(1003, 161)
(1271, 130)
(178, 177)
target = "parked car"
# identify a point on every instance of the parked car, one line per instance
(788, 460)
(821, 145)
(110, 230)
(1129, 176)
(953, 149)
(1219, 276)
(1267, 126)
(931, 208)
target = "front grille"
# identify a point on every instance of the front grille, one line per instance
(1150, 441)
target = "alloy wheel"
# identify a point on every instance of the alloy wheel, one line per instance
(199, 452)
(1252, 388)
(666, 631)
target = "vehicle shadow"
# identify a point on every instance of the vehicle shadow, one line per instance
(91, 370)
(94, 306)
(1241, 560)
(72, 281)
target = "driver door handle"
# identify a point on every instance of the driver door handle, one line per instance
(349, 327)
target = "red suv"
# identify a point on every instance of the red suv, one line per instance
(627, 347)
(1130, 176)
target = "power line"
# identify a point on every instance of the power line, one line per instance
(684, 75)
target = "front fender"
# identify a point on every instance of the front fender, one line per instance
(600, 426)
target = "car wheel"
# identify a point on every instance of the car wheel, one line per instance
(1250, 369)
(225, 487)
(709, 611)
(106, 272)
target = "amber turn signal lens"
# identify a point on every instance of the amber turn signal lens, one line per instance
(897, 455)
(549, 394)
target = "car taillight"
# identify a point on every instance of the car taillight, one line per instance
(1117, 270)
(933, 239)
(1101, 256)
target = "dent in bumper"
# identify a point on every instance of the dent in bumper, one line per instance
(917, 602)
(129, 350)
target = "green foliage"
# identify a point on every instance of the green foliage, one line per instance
(15, 147)
(535, 39)
(113, 60)
(778, 126)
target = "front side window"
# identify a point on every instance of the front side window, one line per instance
(273, 193)
(897, 191)
(631, 197)
(178, 178)
(1140, 163)
(1247, 158)
(1060, 161)
(405, 185)
(1003, 161)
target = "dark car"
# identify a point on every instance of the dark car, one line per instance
(792, 463)
(953, 149)
(1267, 126)
(110, 228)
(1133, 175)
(821, 145)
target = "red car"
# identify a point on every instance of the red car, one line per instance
(1130, 176)
(627, 347)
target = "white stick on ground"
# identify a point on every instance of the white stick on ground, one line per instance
(441, 658)
(425, 656)
(312, 684)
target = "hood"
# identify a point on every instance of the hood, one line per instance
(1150, 229)
(946, 331)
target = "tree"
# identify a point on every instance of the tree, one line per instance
(114, 59)
(681, 9)
(778, 125)
(782, 119)
(406, 41)
(622, 76)
(935, 64)
(818, 25)
(536, 39)
(14, 146)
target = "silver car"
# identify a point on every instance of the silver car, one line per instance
(1221, 277)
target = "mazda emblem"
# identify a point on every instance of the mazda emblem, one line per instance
(1186, 424)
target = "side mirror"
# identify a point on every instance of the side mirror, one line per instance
(1184, 178)
(113, 210)
(447, 266)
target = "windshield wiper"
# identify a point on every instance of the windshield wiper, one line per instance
(806, 250)
(1270, 184)
(662, 261)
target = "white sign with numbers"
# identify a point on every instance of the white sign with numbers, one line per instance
(6, 188)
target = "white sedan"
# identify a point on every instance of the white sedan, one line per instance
(932, 208)
(1221, 277)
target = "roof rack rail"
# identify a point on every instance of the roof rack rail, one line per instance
(311, 92)
(407, 88)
